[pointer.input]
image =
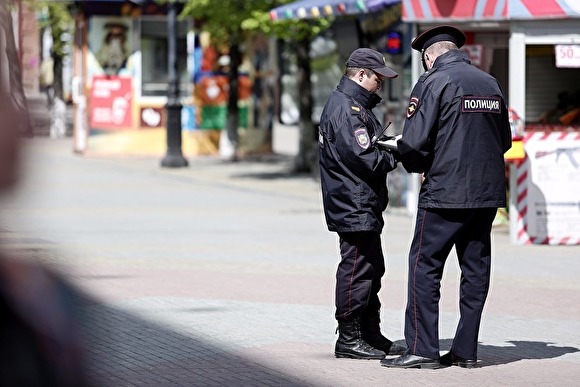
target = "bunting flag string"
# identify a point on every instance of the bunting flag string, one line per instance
(311, 9)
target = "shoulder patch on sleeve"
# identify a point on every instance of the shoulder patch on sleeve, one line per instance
(355, 108)
(412, 108)
(362, 138)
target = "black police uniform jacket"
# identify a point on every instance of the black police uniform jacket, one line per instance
(456, 133)
(353, 172)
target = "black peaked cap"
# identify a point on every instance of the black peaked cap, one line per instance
(438, 34)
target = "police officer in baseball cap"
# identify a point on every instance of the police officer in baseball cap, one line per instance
(367, 58)
(353, 178)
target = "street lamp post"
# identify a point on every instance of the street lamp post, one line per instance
(174, 157)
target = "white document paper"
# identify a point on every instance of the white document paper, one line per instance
(391, 143)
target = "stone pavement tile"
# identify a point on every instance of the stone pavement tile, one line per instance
(127, 350)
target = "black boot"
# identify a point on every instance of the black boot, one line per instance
(351, 344)
(371, 333)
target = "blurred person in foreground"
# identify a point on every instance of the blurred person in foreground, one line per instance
(455, 134)
(353, 174)
(40, 337)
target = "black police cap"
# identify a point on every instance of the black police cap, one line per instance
(367, 58)
(438, 34)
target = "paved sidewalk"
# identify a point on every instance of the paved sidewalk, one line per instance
(222, 274)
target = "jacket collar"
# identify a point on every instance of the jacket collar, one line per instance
(450, 57)
(361, 95)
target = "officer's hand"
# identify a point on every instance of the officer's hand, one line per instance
(396, 155)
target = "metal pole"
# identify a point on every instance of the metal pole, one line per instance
(173, 158)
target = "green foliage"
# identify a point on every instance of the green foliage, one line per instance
(233, 20)
(224, 19)
(287, 29)
(56, 15)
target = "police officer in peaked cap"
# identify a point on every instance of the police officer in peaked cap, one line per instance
(455, 134)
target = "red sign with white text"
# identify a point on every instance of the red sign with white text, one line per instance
(111, 102)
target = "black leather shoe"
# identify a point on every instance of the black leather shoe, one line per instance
(350, 343)
(396, 349)
(371, 333)
(360, 350)
(411, 361)
(450, 359)
(381, 343)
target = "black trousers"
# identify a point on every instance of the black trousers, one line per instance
(359, 273)
(436, 232)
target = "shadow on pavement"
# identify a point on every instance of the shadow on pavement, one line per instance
(125, 350)
(513, 351)
(109, 346)
(272, 175)
(282, 167)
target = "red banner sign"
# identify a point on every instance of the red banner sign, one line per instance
(111, 103)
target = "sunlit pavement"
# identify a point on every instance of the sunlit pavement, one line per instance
(223, 274)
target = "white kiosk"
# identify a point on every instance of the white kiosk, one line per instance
(533, 48)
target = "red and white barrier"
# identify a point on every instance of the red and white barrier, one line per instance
(545, 190)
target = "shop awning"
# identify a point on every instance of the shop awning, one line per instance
(309, 9)
(456, 10)
(481, 10)
(545, 9)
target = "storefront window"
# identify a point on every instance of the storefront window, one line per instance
(154, 50)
